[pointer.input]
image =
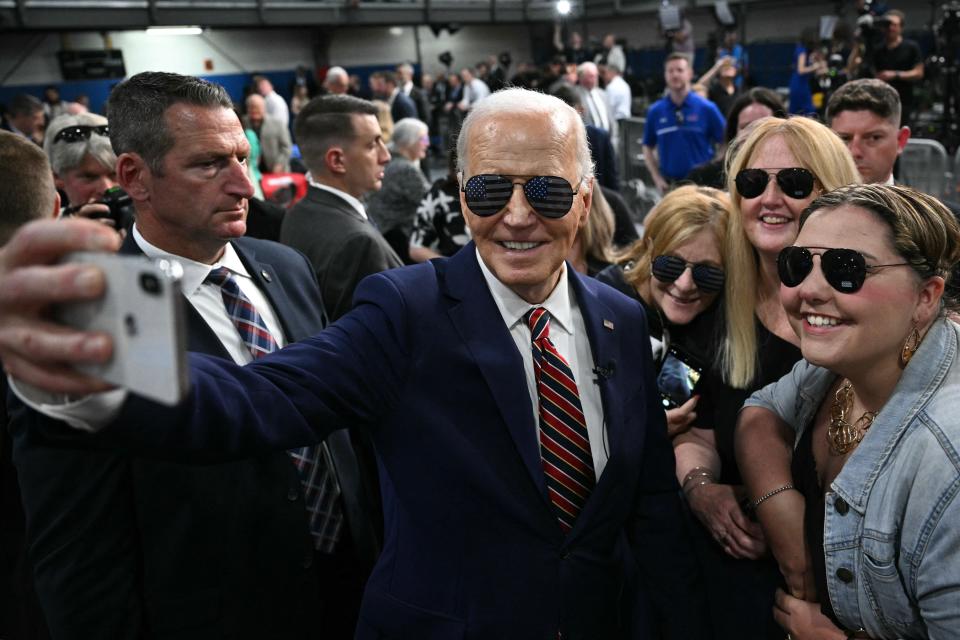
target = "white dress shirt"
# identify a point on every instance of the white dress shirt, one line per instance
(619, 97)
(568, 334)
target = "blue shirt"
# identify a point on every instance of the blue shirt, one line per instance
(684, 136)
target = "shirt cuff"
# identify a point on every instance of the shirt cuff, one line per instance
(85, 413)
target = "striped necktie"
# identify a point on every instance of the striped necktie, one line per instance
(564, 443)
(321, 491)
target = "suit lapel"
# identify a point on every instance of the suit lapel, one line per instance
(480, 324)
(265, 276)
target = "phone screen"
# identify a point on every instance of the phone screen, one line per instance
(678, 377)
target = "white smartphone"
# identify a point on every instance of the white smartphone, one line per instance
(142, 310)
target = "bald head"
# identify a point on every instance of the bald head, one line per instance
(256, 109)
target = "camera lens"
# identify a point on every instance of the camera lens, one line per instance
(151, 284)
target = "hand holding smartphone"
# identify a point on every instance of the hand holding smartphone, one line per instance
(142, 311)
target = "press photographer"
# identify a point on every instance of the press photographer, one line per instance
(83, 164)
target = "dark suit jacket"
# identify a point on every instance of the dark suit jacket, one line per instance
(604, 159)
(402, 107)
(342, 246)
(425, 364)
(421, 102)
(124, 547)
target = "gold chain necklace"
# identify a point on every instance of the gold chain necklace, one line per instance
(842, 436)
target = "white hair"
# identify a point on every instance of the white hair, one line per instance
(337, 72)
(65, 156)
(524, 101)
(407, 132)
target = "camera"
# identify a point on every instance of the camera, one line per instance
(120, 207)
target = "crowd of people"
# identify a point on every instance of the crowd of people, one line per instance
(733, 422)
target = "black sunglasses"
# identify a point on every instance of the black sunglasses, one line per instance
(796, 182)
(80, 132)
(709, 279)
(844, 269)
(550, 196)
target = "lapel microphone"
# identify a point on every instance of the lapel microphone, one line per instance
(604, 372)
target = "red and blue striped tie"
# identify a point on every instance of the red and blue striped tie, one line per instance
(321, 491)
(564, 443)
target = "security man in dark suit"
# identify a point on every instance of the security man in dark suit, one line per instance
(343, 148)
(125, 547)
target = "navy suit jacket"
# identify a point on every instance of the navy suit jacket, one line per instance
(426, 366)
(126, 547)
(402, 107)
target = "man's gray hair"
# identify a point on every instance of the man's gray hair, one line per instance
(523, 101)
(65, 156)
(407, 132)
(338, 72)
(137, 109)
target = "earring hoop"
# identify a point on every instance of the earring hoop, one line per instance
(910, 346)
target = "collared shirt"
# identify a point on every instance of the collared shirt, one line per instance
(597, 104)
(683, 134)
(569, 335)
(619, 97)
(407, 87)
(92, 413)
(353, 202)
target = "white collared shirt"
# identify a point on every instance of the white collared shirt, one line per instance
(208, 301)
(569, 335)
(353, 202)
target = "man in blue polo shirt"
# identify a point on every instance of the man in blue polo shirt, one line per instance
(682, 128)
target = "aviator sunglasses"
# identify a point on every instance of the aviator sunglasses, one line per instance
(844, 269)
(667, 269)
(550, 196)
(80, 132)
(796, 182)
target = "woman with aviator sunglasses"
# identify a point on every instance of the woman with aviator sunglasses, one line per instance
(857, 485)
(677, 271)
(775, 169)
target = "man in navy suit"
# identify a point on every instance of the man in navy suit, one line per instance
(127, 547)
(507, 500)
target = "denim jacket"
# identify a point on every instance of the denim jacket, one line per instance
(892, 523)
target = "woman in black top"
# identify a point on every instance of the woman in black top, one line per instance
(676, 271)
(774, 172)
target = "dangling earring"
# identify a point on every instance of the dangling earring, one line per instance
(909, 347)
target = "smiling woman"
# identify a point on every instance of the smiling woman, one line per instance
(873, 413)
(773, 172)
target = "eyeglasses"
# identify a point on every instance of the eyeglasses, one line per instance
(667, 269)
(844, 269)
(678, 115)
(796, 182)
(80, 132)
(550, 196)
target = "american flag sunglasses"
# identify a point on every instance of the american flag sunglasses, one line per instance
(550, 196)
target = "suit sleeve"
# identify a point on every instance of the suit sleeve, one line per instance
(351, 374)
(659, 534)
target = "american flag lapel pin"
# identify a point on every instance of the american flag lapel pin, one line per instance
(608, 325)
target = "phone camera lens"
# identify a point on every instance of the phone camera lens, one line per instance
(150, 284)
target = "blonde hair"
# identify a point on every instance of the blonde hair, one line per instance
(385, 120)
(596, 237)
(682, 214)
(817, 149)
